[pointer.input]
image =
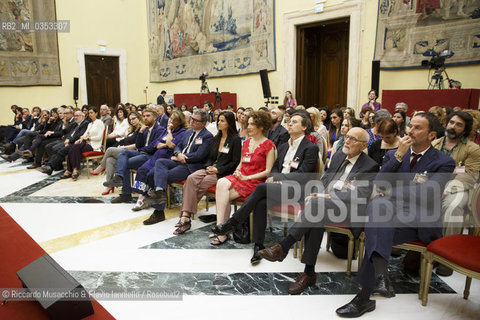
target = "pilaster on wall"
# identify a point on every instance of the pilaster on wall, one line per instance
(121, 53)
(354, 9)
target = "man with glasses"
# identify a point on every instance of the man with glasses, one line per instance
(341, 196)
(189, 156)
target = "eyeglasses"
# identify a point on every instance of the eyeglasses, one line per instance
(195, 120)
(133, 118)
(353, 139)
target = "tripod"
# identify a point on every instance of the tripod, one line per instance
(436, 82)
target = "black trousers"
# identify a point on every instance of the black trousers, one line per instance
(265, 196)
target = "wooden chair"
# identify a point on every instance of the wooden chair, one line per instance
(355, 248)
(93, 155)
(420, 247)
(460, 252)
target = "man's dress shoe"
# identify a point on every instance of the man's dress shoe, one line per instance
(356, 307)
(303, 282)
(273, 254)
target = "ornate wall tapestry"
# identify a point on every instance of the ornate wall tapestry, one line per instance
(28, 58)
(409, 31)
(221, 37)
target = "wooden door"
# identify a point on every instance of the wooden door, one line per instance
(322, 64)
(103, 80)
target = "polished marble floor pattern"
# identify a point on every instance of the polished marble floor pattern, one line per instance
(106, 247)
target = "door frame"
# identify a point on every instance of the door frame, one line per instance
(353, 9)
(82, 75)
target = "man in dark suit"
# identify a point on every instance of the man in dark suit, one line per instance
(343, 191)
(408, 208)
(189, 156)
(58, 151)
(162, 117)
(297, 160)
(161, 97)
(278, 134)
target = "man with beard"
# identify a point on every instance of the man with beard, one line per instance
(343, 192)
(467, 159)
(278, 134)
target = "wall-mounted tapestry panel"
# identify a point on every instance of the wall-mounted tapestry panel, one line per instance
(221, 37)
(28, 58)
(409, 31)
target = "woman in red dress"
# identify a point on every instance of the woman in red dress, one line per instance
(258, 156)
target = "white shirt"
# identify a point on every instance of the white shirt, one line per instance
(121, 128)
(341, 181)
(292, 150)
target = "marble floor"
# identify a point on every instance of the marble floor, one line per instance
(107, 249)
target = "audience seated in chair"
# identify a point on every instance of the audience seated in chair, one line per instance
(189, 156)
(91, 140)
(223, 160)
(109, 161)
(467, 159)
(145, 146)
(410, 186)
(297, 160)
(342, 194)
(57, 151)
(258, 156)
(167, 141)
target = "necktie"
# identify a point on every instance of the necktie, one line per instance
(341, 169)
(189, 143)
(414, 160)
(148, 136)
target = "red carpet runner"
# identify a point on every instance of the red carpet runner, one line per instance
(17, 250)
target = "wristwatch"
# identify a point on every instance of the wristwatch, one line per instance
(398, 157)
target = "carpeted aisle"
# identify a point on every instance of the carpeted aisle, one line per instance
(17, 250)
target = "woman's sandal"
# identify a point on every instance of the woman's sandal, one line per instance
(217, 242)
(65, 175)
(184, 226)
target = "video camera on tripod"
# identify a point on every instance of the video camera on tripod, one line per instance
(437, 62)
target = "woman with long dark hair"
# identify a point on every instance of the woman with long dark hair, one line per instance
(325, 117)
(400, 118)
(336, 119)
(289, 100)
(224, 159)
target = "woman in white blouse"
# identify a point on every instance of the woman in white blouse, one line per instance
(90, 141)
(120, 130)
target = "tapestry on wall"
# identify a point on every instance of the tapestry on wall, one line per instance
(220, 37)
(29, 47)
(409, 31)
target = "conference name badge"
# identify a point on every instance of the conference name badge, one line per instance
(225, 149)
(294, 164)
(420, 178)
(350, 186)
(247, 159)
(459, 169)
(198, 141)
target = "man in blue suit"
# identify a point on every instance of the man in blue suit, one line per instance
(407, 208)
(189, 156)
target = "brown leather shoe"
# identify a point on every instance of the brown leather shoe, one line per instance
(303, 282)
(273, 254)
(156, 217)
